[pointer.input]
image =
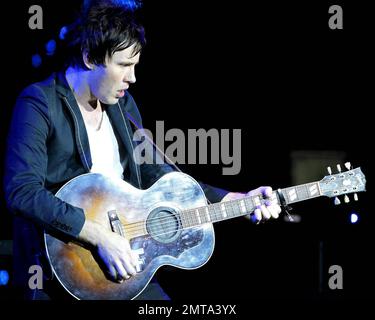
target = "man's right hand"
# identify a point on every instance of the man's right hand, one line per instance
(121, 262)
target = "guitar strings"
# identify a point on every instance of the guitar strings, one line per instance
(189, 215)
(192, 213)
(137, 228)
(173, 229)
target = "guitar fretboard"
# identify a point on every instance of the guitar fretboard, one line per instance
(240, 207)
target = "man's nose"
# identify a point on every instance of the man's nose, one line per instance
(130, 76)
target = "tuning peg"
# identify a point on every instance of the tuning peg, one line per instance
(355, 197)
(337, 201)
(329, 170)
(339, 168)
(346, 198)
(348, 165)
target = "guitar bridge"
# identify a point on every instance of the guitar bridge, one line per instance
(115, 222)
(116, 227)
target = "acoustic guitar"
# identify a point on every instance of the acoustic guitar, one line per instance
(171, 223)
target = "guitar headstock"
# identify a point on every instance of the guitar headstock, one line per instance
(343, 183)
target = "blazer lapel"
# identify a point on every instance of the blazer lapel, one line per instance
(82, 140)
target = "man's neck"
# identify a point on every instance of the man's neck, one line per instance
(78, 82)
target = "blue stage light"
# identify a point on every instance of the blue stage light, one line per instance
(354, 218)
(36, 60)
(4, 277)
(51, 47)
(63, 32)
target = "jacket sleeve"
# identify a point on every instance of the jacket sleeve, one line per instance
(26, 168)
(155, 167)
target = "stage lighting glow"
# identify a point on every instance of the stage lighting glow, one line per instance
(51, 47)
(36, 60)
(4, 277)
(354, 218)
(63, 32)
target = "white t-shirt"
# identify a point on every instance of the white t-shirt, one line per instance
(104, 150)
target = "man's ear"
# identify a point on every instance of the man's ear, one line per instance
(86, 61)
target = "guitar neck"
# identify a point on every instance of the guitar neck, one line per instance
(241, 207)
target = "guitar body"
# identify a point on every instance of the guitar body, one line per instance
(151, 224)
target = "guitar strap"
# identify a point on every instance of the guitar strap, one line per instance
(284, 205)
(138, 127)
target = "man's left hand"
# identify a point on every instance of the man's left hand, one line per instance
(270, 208)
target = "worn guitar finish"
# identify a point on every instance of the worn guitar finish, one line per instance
(152, 210)
(167, 224)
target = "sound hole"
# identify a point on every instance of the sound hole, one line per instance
(163, 224)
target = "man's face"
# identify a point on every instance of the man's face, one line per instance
(109, 82)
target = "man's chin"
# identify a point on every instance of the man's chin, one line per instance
(110, 101)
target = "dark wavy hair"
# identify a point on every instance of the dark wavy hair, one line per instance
(103, 29)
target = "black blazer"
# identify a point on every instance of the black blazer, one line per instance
(48, 146)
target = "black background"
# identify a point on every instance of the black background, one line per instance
(274, 70)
